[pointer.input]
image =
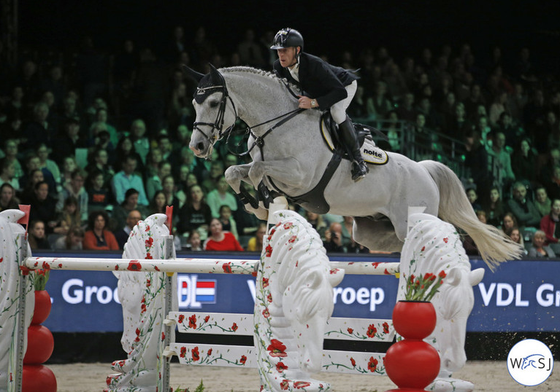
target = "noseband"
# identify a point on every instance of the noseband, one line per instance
(200, 96)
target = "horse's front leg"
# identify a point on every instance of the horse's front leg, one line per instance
(286, 171)
(234, 175)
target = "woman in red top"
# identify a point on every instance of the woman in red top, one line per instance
(221, 240)
(97, 238)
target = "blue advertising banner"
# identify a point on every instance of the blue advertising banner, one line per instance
(519, 296)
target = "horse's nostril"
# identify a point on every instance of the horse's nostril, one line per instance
(200, 146)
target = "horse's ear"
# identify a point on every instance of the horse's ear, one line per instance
(193, 74)
(216, 76)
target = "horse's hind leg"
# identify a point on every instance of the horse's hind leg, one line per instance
(376, 235)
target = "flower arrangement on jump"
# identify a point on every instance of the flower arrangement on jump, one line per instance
(423, 288)
(41, 279)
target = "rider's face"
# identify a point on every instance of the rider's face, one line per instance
(287, 56)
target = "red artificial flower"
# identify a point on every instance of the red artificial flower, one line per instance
(445, 240)
(195, 354)
(192, 321)
(288, 226)
(209, 351)
(285, 385)
(206, 319)
(148, 283)
(265, 282)
(301, 384)
(234, 327)
(227, 268)
(149, 257)
(46, 266)
(269, 297)
(371, 331)
(183, 352)
(442, 274)
(375, 265)
(268, 251)
(350, 331)
(353, 362)
(149, 242)
(266, 313)
(292, 239)
(280, 366)
(163, 336)
(277, 348)
(243, 359)
(147, 227)
(134, 265)
(372, 364)
(385, 327)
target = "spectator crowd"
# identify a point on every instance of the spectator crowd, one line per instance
(95, 141)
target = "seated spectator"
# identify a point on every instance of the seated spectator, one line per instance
(220, 196)
(551, 228)
(193, 241)
(228, 223)
(75, 189)
(37, 237)
(481, 215)
(99, 195)
(158, 204)
(473, 197)
(215, 174)
(72, 241)
(101, 117)
(494, 208)
(508, 222)
(8, 174)
(139, 140)
(524, 164)
(552, 184)
(516, 237)
(524, 209)
(155, 157)
(43, 206)
(97, 237)
(26, 194)
(317, 222)
(48, 164)
(256, 243)
(500, 161)
(333, 239)
(121, 211)
(195, 213)
(11, 152)
(68, 166)
(154, 183)
(127, 179)
(124, 150)
(542, 201)
(539, 249)
(69, 216)
(39, 130)
(122, 235)
(8, 199)
(174, 197)
(32, 162)
(100, 164)
(66, 144)
(220, 240)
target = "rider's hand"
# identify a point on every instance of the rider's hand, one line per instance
(307, 103)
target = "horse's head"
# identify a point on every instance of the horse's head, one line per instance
(214, 111)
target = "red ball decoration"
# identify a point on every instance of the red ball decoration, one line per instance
(414, 319)
(40, 345)
(412, 364)
(38, 378)
(42, 307)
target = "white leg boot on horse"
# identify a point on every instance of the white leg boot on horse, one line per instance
(350, 141)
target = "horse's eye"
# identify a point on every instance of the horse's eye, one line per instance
(214, 104)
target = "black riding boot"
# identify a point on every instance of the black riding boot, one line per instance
(348, 136)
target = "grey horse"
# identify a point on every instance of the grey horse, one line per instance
(289, 156)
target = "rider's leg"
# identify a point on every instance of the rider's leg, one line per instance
(347, 134)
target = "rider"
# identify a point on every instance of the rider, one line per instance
(331, 88)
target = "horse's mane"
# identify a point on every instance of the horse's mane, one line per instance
(259, 72)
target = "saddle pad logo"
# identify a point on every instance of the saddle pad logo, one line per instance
(370, 152)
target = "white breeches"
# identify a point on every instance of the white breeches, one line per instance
(338, 110)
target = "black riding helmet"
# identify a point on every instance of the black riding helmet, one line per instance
(287, 38)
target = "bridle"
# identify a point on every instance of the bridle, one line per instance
(203, 92)
(218, 125)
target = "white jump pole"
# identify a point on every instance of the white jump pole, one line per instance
(200, 266)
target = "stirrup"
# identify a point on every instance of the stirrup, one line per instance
(359, 171)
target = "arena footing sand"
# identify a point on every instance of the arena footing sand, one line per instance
(488, 376)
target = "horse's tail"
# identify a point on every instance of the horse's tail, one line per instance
(455, 208)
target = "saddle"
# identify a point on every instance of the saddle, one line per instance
(314, 200)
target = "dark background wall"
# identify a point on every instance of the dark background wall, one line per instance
(329, 27)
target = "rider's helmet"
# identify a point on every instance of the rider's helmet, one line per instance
(287, 38)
